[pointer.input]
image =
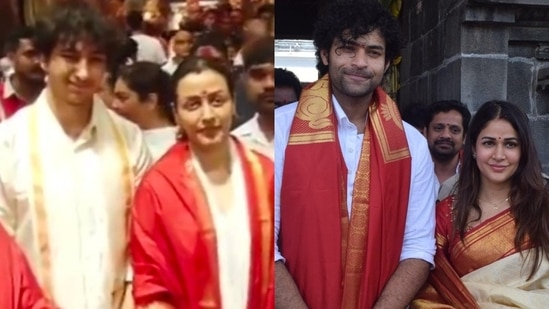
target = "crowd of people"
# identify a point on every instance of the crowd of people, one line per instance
(183, 170)
(126, 163)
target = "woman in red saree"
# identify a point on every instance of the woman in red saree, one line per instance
(493, 235)
(202, 222)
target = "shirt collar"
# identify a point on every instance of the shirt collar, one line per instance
(340, 114)
(251, 129)
(342, 119)
(8, 87)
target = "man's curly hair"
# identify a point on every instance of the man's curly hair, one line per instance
(355, 17)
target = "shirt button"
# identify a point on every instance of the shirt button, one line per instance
(350, 150)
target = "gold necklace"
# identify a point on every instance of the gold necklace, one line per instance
(495, 205)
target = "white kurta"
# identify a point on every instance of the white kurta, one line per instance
(160, 140)
(71, 195)
(232, 229)
(250, 133)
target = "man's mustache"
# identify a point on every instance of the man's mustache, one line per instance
(361, 73)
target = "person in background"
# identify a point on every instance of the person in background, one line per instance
(237, 18)
(446, 127)
(258, 77)
(193, 18)
(143, 95)
(126, 55)
(181, 43)
(253, 29)
(493, 234)
(267, 13)
(70, 166)
(212, 46)
(26, 80)
(209, 20)
(149, 48)
(287, 87)
(354, 185)
(202, 221)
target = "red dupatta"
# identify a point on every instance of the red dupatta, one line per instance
(337, 262)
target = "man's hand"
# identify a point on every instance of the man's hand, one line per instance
(404, 284)
(286, 293)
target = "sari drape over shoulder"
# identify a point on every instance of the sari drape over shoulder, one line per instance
(173, 237)
(483, 271)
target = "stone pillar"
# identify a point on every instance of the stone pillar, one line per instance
(475, 51)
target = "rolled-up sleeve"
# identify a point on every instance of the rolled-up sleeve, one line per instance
(419, 233)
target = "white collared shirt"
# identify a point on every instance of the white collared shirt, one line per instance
(9, 90)
(250, 133)
(84, 198)
(160, 140)
(149, 48)
(419, 241)
(170, 66)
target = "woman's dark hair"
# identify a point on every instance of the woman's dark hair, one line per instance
(197, 65)
(72, 21)
(146, 78)
(354, 18)
(528, 198)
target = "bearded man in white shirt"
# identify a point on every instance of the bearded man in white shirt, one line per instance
(69, 167)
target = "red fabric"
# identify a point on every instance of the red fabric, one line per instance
(18, 286)
(173, 245)
(11, 104)
(312, 193)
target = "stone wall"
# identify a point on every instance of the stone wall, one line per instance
(475, 51)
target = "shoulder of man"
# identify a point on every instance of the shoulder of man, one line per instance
(128, 129)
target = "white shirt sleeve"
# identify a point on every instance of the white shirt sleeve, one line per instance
(419, 240)
(283, 121)
(7, 211)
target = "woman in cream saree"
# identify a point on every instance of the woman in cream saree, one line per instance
(493, 236)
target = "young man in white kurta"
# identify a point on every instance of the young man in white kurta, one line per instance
(85, 194)
(69, 167)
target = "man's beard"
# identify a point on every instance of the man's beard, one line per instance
(442, 157)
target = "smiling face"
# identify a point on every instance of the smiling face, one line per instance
(204, 108)
(356, 66)
(445, 135)
(497, 152)
(75, 72)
